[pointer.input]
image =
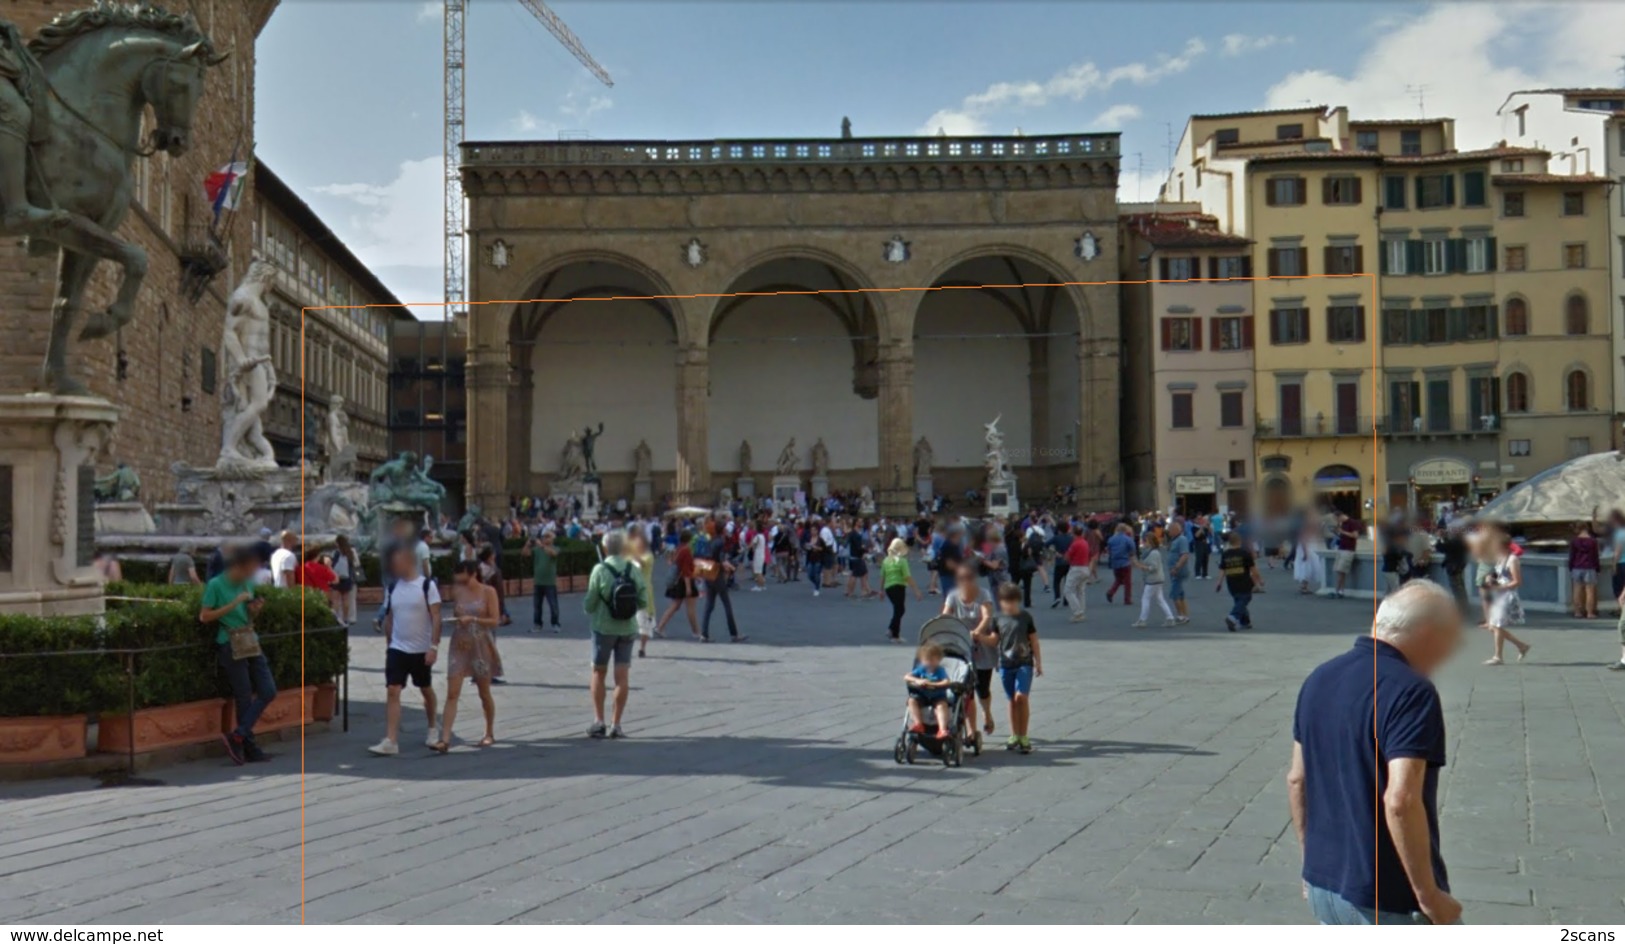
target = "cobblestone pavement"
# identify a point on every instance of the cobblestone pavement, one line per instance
(758, 785)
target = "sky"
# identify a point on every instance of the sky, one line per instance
(349, 93)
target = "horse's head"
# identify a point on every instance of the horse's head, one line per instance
(172, 85)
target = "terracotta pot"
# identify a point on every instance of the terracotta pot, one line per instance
(193, 722)
(325, 704)
(290, 708)
(36, 740)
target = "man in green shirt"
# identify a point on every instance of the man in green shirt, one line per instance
(612, 634)
(229, 603)
(544, 567)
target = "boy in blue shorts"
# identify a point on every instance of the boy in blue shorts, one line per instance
(928, 685)
(1020, 661)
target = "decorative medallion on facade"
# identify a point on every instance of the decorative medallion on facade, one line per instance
(499, 255)
(896, 250)
(1086, 247)
(694, 253)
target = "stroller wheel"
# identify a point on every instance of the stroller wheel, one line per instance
(909, 750)
(953, 753)
(897, 751)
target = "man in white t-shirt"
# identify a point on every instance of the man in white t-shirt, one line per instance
(284, 562)
(412, 628)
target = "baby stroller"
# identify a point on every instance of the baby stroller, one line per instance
(954, 639)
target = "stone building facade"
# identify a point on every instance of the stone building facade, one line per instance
(428, 402)
(158, 369)
(701, 295)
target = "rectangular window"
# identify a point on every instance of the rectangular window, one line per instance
(1483, 401)
(1291, 396)
(1574, 203)
(1478, 253)
(1340, 191)
(1287, 261)
(1404, 406)
(1517, 258)
(1230, 413)
(1289, 326)
(1231, 267)
(1238, 467)
(1518, 447)
(1227, 136)
(1233, 334)
(1512, 203)
(1183, 413)
(1365, 140)
(1396, 326)
(1472, 189)
(1478, 322)
(1512, 166)
(1579, 446)
(1345, 324)
(1439, 404)
(1292, 132)
(1574, 255)
(1285, 191)
(1181, 334)
(1435, 190)
(1179, 268)
(1393, 192)
(1347, 407)
(1394, 257)
(1436, 325)
(1344, 260)
(1410, 143)
(1435, 256)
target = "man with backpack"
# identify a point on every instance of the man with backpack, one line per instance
(615, 591)
(411, 627)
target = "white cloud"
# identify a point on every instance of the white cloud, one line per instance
(1465, 59)
(1116, 117)
(395, 228)
(1239, 44)
(430, 10)
(580, 105)
(1074, 83)
(524, 122)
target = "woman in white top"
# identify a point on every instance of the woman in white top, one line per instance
(758, 559)
(1304, 560)
(1506, 609)
(1156, 574)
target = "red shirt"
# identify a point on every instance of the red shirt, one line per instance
(1079, 554)
(683, 560)
(316, 574)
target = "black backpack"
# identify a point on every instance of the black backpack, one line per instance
(623, 593)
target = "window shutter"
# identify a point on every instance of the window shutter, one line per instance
(1490, 255)
(1359, 259)
(1303, 325)
(1382, 259)
(1301, 187)
(1357, 196)
(1214, 328)
(1167, 333)
(1330, 258)
(1415, 254)
(1419, 192)
(1495, 322)
(1196, 333)
(1325, 190)
(1275, 326)
(1456, 324)
(1247, 266)
(1274, 263)
(1359, 323)
(1269, 192)
(1331, 323)
(1247, 333)
(1162, 267)
(1418, 326)
(1456, 255)
(1449, 189)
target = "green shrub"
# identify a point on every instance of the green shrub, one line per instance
(88, 681)
(145, 571)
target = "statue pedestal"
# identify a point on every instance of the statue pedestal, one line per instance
(124, 518)
(235, 502)
(820, 487)
(745, 487)
(591, 508)
(643, 492)
(48, 445)
(924, 490)
(337, 508)
(785, 489)
(1001, 498)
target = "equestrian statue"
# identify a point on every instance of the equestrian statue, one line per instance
(72, 101)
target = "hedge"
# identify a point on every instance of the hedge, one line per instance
(576, 559)
(96, 682)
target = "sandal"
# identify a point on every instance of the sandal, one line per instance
(440, 747)
(487, 741)
(1524, 651)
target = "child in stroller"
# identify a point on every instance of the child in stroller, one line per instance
(928, 686)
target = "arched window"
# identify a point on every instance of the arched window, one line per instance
(1579, 391)
(1577, 318)
(1517, 317)
(1517, 392)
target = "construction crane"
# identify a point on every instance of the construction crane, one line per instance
(456, 12)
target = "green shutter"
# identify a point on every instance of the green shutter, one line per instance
(1414, 255)
(1449, 189)
(1419, 326)
(1455, 255)
(1419, 203)
(1472, 185)
(1456, 324)
(1382, 258)
(1491, 255)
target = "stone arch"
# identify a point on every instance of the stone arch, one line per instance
(536, 278)
(1517, 395)
(1579, 395)
(1032, 256)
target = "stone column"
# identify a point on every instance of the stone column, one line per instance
(692, 483)
(895, 364)
(521, 410)
(1099, 465)
(1038, 402)
(487, 477)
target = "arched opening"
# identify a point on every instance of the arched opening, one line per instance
(1576, 315)
(598, 346)
(1577, 389)
(1517, 392)
(1277, 497)
(1340, 487)
(998, 336)
(1517, 317)
(793, 354)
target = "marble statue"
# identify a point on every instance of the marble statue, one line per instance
(997, 460)
(866, 499)
(470, 518)
(744, 457)
(72, 105)
(120, 485)
(642, 460)
(341, 453)
(588, 464)
(250, 380)
(820, 459)
(923, 456)
(789, 462)
(573, 464)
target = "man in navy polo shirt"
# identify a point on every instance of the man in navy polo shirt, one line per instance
(1368, 742)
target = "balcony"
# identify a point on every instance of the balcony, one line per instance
(1317, 426)
(790, 151)
(1439, 424)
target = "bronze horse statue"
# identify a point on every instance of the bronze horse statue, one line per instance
(71, 107)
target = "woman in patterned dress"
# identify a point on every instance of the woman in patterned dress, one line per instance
(473, 651)
(1506, 609)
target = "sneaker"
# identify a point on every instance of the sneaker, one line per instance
(252, 752)
(815, 593)
(739, 639)
(234, 748)
(1230, 623)
(1012, 742)
(433, 739)
(1137, 624)
(597, 730)
(384, 748)
(535, 629)
(1025, 746)
(1076, 619)
(1617, 666)
(1054, 605)
(498, 681)
(616, 732)
(1182, 620)
(555, 629)
(1170, 622)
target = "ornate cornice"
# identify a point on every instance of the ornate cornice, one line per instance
(902, 165)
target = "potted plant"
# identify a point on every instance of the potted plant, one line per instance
(179, 695)
(45, 701)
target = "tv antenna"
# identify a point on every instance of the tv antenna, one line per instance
(1420, 91)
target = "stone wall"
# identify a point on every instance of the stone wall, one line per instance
(168, 415)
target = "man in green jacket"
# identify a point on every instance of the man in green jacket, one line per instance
(611, 636)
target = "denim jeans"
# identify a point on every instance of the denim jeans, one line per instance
(715, 589)
(1329, 907)
(1238, 607)
(945, 581)
(550, 593)
(815, 570)
(251, 685)
(1058, 584)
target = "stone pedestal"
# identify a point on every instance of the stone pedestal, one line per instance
(124, 518)
(785, 488)
(924, 490)
(643, 492)
(337, 508)
(1001, 498)
(745, 487)
(591, 507)
(48, 447)
(236, 502)
(820, 487)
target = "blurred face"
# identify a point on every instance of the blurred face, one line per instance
(1010, 607)
(967, 583)
(460, 578)
(930, 659)
(1436, 641)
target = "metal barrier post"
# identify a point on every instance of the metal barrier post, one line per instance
(129, 717)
